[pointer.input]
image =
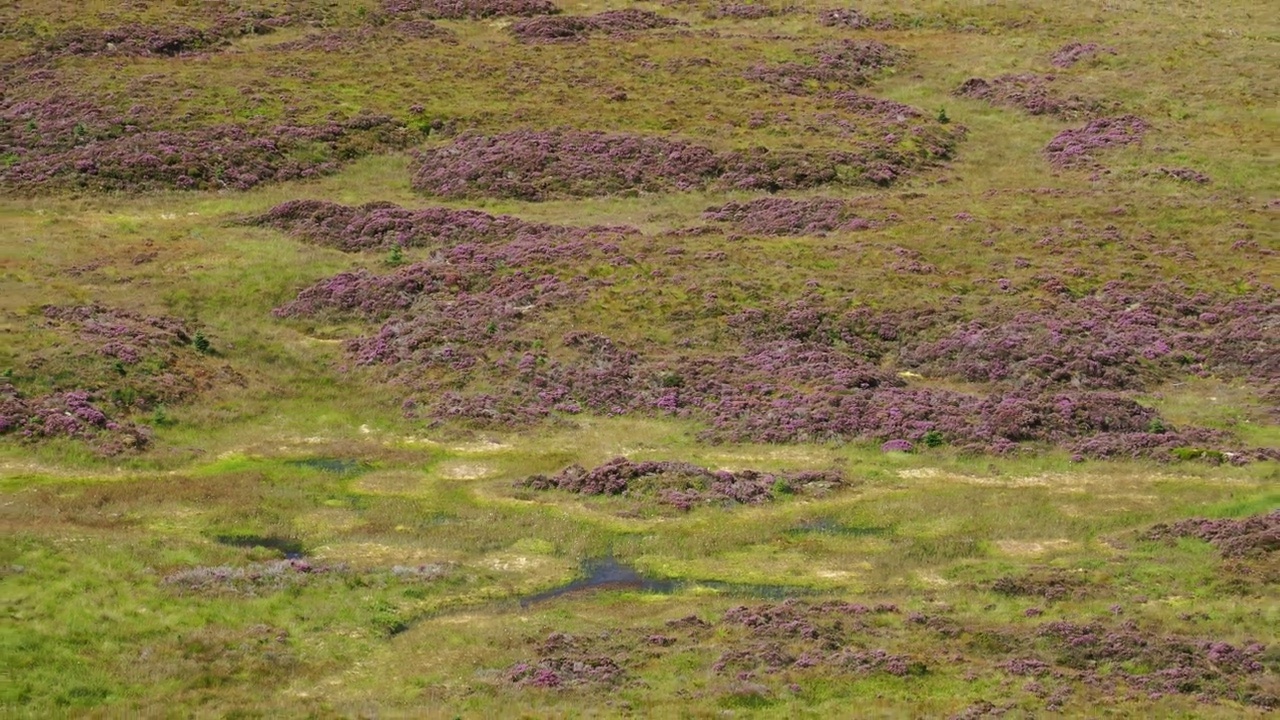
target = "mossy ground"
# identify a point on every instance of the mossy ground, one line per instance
(92, 628)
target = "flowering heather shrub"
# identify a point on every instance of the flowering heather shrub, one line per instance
(75, 415)
(555, 28)
(804, 372)
(1048, 584)
(1119, 337)
(1165, 665)
(134, 361)
(1074, 52)
(1185, 444)
(120, 334)
(845, 18)
(382, 226)
(782, 216)
(829, 638)
(556, 672)
(105, 364)
(471, 9)
(1077, 147)
(681, 484)
(59, 123)
(536, 165)
(747, 11)
(540, 165)
(165, 40)
(362, 294)
(874, 107)
(256, 579)
(1029, 92)
(1254, 535)
(226, 156)
(842, 65)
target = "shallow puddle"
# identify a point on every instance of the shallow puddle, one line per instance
(606, 574)
(291, 548)
(337, 466)
(609, 574)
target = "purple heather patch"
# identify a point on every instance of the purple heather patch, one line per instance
(470, 9)
(682, 484)
(839, 65)
(381, 226)
(1250, 536)
(562, 28)
(1074, 52)
(1078, 147)
(541, 165)
(1031, 93)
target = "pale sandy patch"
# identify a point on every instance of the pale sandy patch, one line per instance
(480, 446)
(378, 554)
(465, 470)
(508, 562)
(932, 579)
(1032, 547)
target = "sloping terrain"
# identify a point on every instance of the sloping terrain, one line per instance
(685, 357)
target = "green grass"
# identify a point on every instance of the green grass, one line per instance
(93, 629)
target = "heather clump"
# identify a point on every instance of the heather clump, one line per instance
(871, 107)
(1251, 536)
(106, 365)
(1029, 92)
(1119, 337)
(58, 123)
(803, 372)
(1074, 52)
(159, 40)
(1078, 147)
(74, 414)
(1155, 664)
(136, 361)
(124, 335)
(850, 18)
(747, 11)
(363, 294)
(1168, 445)
(561, 28)
(1049, 585)
(537, 165)
(796, 639)
(542, 165)
(837, 65)
(471, 9)
(249, 580)
(682, 485)
(559, 672)
(383, 226)
(211, 158)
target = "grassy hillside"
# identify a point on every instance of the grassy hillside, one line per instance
(687, 358)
